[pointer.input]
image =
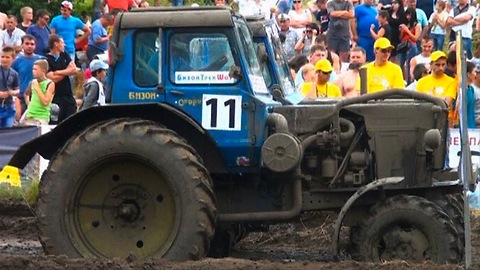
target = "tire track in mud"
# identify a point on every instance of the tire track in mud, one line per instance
(298, 245)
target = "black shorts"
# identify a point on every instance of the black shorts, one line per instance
(339, 44)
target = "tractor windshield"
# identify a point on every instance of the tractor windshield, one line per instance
(284, 76)
(247, 48)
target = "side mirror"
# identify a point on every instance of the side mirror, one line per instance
(235, 72)
(262, 53)
(113, 53)
(278, 95)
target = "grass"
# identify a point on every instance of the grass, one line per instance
(28, 193)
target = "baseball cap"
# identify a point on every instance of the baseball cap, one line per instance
(383, 43)
(97, 64)
(437, 55)
(323, 65)
(67, 4)
(283, 17)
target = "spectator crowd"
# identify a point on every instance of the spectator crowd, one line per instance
(401, 43)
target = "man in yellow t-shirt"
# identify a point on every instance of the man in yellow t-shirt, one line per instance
(438, 83)
(321, 87)
(381, 73)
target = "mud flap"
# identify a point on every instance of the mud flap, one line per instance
(10, 175)
(351, 201)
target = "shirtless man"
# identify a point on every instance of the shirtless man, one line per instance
(347, 80)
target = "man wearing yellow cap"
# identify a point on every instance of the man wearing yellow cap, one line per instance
(438, 83)
(381, 73)
(321, 87)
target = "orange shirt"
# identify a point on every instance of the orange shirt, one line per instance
(119, 4)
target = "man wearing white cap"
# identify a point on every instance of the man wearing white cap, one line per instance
(94, 91)
(66, 25)
(291, 36)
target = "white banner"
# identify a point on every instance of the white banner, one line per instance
(454, 146)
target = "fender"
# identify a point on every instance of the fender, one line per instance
(48, 144)
(351, 200)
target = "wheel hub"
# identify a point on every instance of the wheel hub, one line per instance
(129, 211)
(124, 203)
(404, 242)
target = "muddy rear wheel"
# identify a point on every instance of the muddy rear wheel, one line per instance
(406, 228)
(126, 187)
(452, 205)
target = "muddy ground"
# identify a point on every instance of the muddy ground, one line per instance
(300, 245)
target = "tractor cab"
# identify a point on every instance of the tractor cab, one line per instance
(273, 61)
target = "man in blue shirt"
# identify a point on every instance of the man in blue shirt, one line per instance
(98, 40)
(66, 25)
(365, 16)
(284, 6)
(40, 31)
(23, 65)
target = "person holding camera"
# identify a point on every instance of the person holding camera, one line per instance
(308, 37)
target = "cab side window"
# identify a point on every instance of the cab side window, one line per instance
(146, 48)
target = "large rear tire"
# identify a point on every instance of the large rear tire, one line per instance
(126, 187)
(406, 228)
(452, 205)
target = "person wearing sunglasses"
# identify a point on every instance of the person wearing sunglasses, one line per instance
(308, 37)
(321, 88)
(291, 36)
(381, 73)
(438, 84)
(299, 17)
(41, 31)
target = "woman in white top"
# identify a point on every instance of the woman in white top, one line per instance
(299, 17)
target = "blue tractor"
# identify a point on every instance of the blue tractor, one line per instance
(193, 150)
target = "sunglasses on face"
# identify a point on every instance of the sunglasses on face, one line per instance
(323, 72)
(385, 50)
(46, 18)
(296, 2)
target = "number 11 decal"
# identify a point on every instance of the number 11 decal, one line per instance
(221, 112)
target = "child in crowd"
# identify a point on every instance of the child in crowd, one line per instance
(42, 91)
(419, 71)
(308, 74)
(436, 23)
(384, 30)
(9, 87)
(94, 92)
(143, 4)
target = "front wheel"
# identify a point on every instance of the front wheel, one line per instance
(126, 187)
(406, 228)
